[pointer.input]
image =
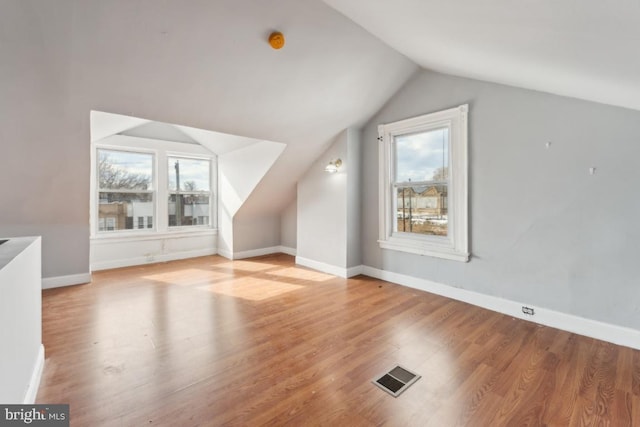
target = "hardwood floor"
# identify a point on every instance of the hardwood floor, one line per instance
(208, 341)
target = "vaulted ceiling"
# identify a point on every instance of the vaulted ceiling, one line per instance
(206, 64)
(580, 48)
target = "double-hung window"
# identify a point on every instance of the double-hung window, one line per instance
(125, 189)
(423, 185)
(189, 201)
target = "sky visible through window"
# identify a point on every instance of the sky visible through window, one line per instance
(422, 156)
(194, 174)
(125, 170)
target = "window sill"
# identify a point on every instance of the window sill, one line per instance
(421, 247)
(152, 235)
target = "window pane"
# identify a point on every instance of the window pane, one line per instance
(118, 210)
(122, 170)
(422, 210)
(188, 209)
(422, 156)
(191, 174)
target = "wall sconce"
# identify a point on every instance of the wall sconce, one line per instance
(333, 166)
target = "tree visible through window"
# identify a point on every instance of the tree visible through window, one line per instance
(125, 188)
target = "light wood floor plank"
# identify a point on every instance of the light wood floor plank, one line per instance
(210, 342)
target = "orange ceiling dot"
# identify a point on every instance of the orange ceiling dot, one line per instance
(276, 40)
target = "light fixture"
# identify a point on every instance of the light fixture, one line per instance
(333, 166)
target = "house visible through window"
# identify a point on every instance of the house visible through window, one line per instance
(421, 172)
(189, 191)
(423, 185)
(125, 188)
(133, 197)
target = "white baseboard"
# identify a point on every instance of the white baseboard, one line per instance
(70, 280)
(354, 271)
(264, 251)
(287, 250)
(321, 266)
(225, 253)
(256, 252)
(591, 328)
(128, 262)
(34, 382)
(330, 269)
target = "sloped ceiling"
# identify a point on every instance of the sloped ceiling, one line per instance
(207, 64)
(580, 48)
(242, 161)
(104, 125)
(107, 124)
(161, 131)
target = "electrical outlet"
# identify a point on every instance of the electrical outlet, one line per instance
(528, 310)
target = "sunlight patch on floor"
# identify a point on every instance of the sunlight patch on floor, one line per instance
(252, 289)
(251, 266)
(188, 276)
(302, 274)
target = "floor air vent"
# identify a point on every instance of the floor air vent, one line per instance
(396, 380)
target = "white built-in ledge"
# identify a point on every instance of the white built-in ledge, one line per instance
(21, 350)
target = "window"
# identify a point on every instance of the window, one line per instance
(147, 189)
(125, 188)
(423, 185)
(189, 191)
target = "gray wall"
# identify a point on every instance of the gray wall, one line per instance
(44, 163)
(329, 206)
(543, 231)
(289, 225)
(322, 209)
(171, 63)
(255, 233)
(353, 164)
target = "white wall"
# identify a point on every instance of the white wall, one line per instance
(239, 172)
(21, 351)
(543, 231)
(115, 252)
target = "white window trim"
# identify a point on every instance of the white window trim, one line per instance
(95, 189)
(455, 246)
(161, 150)
(210, 193)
